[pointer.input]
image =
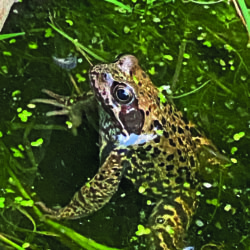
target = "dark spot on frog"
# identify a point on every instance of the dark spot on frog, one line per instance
(180, 130)
(176, 115)
(169, 167)
(134, 161)
(100, 177)
(118, 174)
(180, 141)
(192, 162)
(173, 128)
(170, 157)
(148, 148)
(162, 164)
(147, 112)
(197, 140)
(158, 101)
(170, 175)
(157, 139)
(165, 134)
(166, 181)
(182, 159)
(156, 152)
(157, 125)
(171, 142)
(163, 120)
(170, 110)
(179, 151)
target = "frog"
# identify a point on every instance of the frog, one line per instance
(145, 140)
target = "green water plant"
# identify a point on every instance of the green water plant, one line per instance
(8, 36)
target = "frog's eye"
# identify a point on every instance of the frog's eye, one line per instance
(123, 94)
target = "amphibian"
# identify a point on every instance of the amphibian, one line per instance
(148, 142)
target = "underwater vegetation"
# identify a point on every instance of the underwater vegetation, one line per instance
(197, 52)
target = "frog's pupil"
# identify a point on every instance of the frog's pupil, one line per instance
(122, 94)
(160, 220)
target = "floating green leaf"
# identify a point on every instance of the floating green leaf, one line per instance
(168, 57)
(24, 115)
(33, 45)
(142, 230)
(239, 135)
(2, 200)
(37, 143)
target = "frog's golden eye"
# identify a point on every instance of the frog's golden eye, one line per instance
(123, 94)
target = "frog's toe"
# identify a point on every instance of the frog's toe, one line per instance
(46, 209)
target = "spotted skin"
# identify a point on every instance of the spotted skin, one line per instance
(149, 143)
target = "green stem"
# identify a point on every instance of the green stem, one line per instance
(77, 238)
(76, 43)
(11, 243)
(203, 3)
(179, 64)
(191, 92)
(245, 14)
(7, 36)
(120, 5)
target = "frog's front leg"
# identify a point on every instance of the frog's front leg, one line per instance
(96, 193)
(168, 224)
(73, 107)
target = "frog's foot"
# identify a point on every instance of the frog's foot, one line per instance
(50, 213)
(73, 107)
(60, 101)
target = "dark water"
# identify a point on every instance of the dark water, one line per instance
(215, 43)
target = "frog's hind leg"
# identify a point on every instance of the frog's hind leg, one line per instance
(168, 224)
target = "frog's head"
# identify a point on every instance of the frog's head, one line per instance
(125, 91)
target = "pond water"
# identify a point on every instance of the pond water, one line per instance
(181, 44)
